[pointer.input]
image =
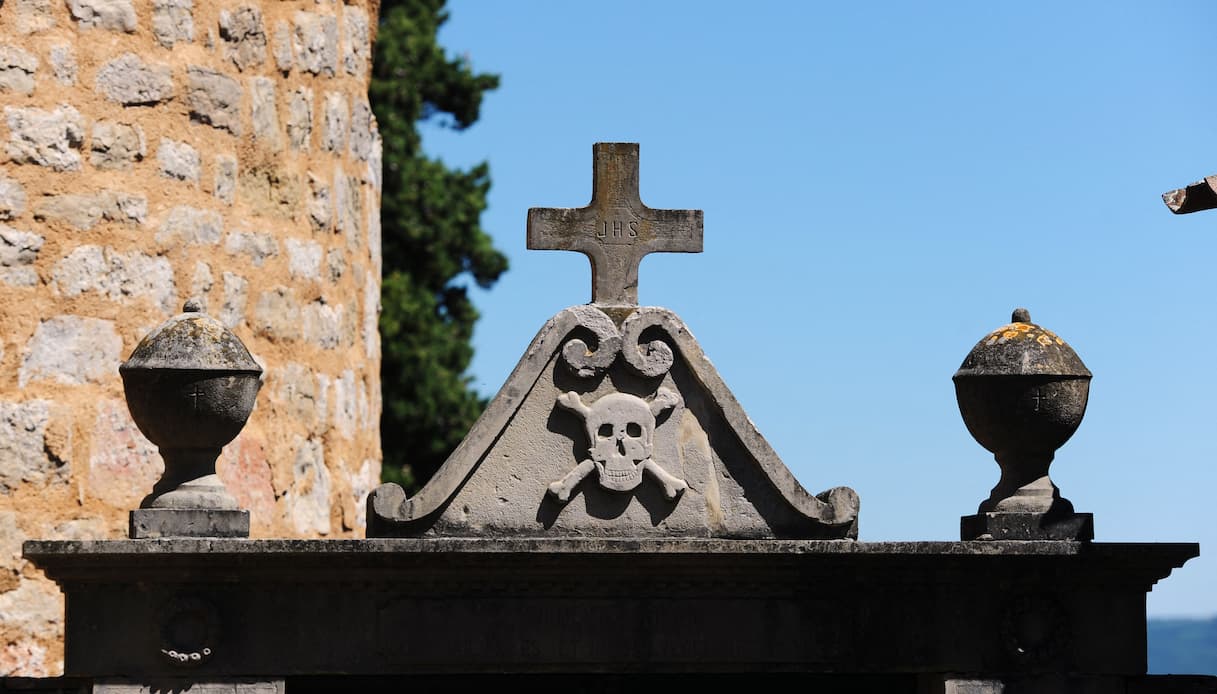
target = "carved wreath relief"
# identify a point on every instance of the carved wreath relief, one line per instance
(620, 433)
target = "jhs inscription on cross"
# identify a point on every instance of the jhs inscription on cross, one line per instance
(615, 230)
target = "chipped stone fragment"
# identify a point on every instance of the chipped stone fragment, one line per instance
(316, 43)
(236, 293)
(31, 16)
(300, 118)
(214, 99)
(265, 114)
(178, 160)
(173, 21)
(333, 135)
(361, 130)
(71, 350)
(356, 48)
(112, 15)
(130, 81)
(117, 145)
(17, 69)
(243, 36)
(257, 247)
(320, 209)
(226, 177)
(46, 138)
(277, 315)
(12, 198)
(282, 47)
(117, 276)
(63, 63)
(186, 225)
(18, 252)
(84, 211)
(303, 259)
(23, 445)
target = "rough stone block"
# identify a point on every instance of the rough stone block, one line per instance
(374, 248)
(130, 81)
(320, 207)
(257, 247)
(214, 99)
(201, 283)
(296, 387)
(63, 63)
(243, 36)
(277, 315)
(300, 118)
(324, 324)
(31, 16)
(46, 138)
(23, 445)
(371, 316)
(270, 192)
(190, 226)
(336, 264)
(178, 160)
(12, 198)
(113, 15)
(71, 350)
(265, 113)
(148, 523)
(356, 49)
(116, 275)
(303, 259)
(17, 69)
(316, 43)
(123, 465)
(309, 496)
(18, 252)
(334, 130)
(173, 21)
(226, 177)
(361, 130)
(236, 293)
(117, 145)
(282, 47)
(348, 207)
(85, 211)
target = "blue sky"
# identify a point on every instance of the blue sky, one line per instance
(882, 184)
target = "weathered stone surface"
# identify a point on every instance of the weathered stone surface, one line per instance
(348, 207)
(244, 469)
(214, 99)
(373, 173)
(46, 138)
(17, 69)
(316, 43)
(71, 350)
(85, 211)
(113, 15)
(320, 208)
(33, 610)
(270, 192)
(173, 21)
(362, 482)
(303, 259)
(236, 293)
(18, 252)
(334, 131)
(178, 160)
(309, 496)
(201, 283)
(23, 445)
(335, 264)
(356, 49)
(131, 82)
(296, 387)
(282, 46)
(226, 177)
(371, 315)
(243, 36)
(123, 465)
(31, 16)
(277, 315)
(186, 225)
(11, 538)
(117, 145)
(257, 247)
(63, 63)
(265, 113)
(300, 118)
(346, 409)
(324, 324)
(12, 198)
(374, 248)
(361, 130)
(117, 276)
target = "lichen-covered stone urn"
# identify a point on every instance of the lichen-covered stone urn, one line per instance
(190, 386)
(1022, 392)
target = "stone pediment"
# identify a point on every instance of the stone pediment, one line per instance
(614, 431)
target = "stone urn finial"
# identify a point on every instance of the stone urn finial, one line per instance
(190, 387)
(1022, 393)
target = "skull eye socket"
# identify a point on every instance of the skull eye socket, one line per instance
(605, 431)
(633, 430)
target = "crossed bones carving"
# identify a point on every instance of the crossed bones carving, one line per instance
(620, 433)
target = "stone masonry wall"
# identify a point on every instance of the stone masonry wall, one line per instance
(157, 150)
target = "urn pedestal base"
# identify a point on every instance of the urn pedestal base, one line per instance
(1027, 526)
(148, 523)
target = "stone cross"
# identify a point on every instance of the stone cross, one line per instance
(615, 230)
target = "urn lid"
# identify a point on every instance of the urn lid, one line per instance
(192, 341)
(1022, 348)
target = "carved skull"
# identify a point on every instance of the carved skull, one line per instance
(620, 432)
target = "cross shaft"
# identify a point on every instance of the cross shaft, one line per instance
(615, 230)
